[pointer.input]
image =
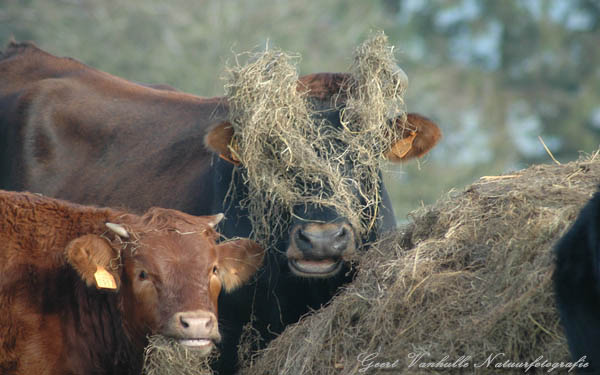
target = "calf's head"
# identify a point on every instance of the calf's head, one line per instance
(168, 272)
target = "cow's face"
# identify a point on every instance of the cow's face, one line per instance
(168, 277)
(319, 237)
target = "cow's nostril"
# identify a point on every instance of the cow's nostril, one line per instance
(302, 239)
(183, 322)
(340, 240)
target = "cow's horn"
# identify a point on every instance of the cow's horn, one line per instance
(118, 229)
(216, 219)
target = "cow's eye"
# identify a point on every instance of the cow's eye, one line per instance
(143, 275)
(215, 270)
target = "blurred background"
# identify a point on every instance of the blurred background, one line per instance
(495, 75)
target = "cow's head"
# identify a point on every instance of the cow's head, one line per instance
(319, 237)
(168, 272)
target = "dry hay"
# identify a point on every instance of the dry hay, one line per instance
(470, 276)
(164, 355)
(288, 162)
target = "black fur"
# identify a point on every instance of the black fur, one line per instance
(577, 285)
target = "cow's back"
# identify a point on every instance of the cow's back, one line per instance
(73, 132)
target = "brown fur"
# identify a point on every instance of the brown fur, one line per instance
(53, 320)
(323, 85)
(62, 117)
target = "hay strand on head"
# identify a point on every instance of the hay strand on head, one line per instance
(268, 116)
(376, 93)
(373, 115)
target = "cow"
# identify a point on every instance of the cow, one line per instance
(81, 287)
(73, 132)
(577, 286)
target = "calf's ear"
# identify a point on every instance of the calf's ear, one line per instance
(219, 139)
(419, 136)
(238, 261)
(95, 261)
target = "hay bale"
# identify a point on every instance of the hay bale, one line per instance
(164, 355)
(470, 276)
(289, 162)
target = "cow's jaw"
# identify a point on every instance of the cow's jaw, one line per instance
(315, 268)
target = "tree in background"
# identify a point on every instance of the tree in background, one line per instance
(496, 75)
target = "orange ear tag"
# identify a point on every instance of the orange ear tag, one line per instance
(403, 146)
(104, 279)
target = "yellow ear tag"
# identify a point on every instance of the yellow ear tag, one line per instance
(403, 146)
(104, 279)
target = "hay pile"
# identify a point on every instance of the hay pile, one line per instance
(164, 356)
(470, 276)
(289, 162)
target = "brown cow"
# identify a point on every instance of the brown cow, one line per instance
(81, 287)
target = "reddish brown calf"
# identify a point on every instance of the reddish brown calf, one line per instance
(59, 313)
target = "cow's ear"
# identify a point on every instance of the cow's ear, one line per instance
(219, 139)
(238, 261)
(95, 261)
(420, 135)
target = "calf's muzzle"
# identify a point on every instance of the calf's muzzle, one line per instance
(197, 329)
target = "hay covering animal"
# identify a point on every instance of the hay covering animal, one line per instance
(76, 133)
(82, 287)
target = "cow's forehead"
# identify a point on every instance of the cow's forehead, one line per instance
(323, 86)
(170, 250)
(157, 218)
(326, 114)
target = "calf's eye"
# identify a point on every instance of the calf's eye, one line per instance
(143, 275)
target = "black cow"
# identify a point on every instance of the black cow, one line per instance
(577, 285)
(73, 132)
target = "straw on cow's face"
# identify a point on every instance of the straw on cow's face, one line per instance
(298, 149)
